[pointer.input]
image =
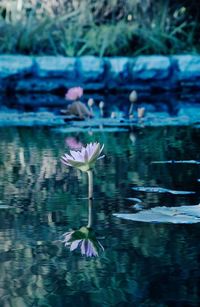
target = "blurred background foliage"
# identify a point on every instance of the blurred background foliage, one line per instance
(101, 28)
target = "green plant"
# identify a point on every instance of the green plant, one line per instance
(102, 28)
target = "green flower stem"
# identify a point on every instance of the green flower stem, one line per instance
(131, 109)
(89, 225)
(90, 184)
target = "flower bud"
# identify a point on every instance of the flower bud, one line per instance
(113, 115)
(101, 104)
(141, 112)
(133, 96)
(90, 102)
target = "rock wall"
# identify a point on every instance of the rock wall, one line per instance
(53, 74)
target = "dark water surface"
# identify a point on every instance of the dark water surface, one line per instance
(143, 264)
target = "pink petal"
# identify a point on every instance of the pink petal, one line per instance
(74, 93)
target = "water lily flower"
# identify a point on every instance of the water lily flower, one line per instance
(74, 93)
(85, 158)
(85, 239)
(72, 143)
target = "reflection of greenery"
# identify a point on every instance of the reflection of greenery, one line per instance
(37, 270)
(31, 172)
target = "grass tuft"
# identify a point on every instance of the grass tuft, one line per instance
(101, 28)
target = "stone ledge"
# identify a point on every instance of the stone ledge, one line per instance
(188, 67)
(11, 65)
(150, 68)
(90, 69)
(20, 73)
(51, 66)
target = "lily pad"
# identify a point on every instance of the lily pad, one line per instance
(137, 207)
(161, 190)
(101, 121)
(137, 200)
(88, 129)
(175, 215)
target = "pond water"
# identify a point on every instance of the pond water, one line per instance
(143, 264)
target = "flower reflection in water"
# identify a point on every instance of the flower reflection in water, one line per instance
(73, 143)
(84, 238)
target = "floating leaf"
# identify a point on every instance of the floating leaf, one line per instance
(137, 200)
(87, 129)
(176, 215)
(176, 162)
(187, 210)
(161, 190)
(137, 207)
